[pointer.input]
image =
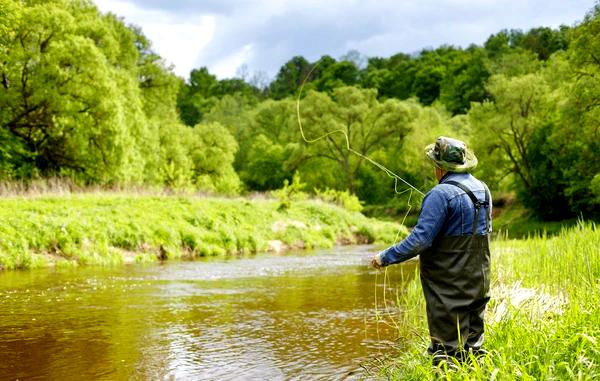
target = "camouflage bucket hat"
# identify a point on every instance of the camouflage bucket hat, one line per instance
(451, 155)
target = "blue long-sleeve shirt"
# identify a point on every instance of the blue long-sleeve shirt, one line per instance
(446, 211)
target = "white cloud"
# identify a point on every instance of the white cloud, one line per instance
(263, 34)
(227, 67)
(178, 40)
(181, 43)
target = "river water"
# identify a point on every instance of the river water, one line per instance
(305, 315)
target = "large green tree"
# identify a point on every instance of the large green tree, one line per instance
(196, 98)
(516, 138)
(212, 150)
(275, 150)
(203, 91)
(465, 81)
(579, 135)
(359, 120)
(504, 128)
(289, 78)
(83, 95)
(67, 103)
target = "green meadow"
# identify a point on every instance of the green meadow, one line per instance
(111, 229)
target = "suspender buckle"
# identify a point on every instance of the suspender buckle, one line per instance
(479, 204)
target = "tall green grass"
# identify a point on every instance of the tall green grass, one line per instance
(516, 221)
(105, 229)
(543, 322)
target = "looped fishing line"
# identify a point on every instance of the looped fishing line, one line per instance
(387, 171)
(410, 188)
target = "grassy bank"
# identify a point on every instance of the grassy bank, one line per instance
(515, 221)
(104, 229)
(543, 322)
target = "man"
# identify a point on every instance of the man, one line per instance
(451, 237)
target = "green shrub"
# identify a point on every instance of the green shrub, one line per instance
(103, 228)
(342, 198)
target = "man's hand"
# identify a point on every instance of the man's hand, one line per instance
(376, 261)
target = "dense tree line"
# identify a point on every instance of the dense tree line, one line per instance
(83, 95)
(518, 99)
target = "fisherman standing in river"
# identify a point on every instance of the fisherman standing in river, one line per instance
(452, 241)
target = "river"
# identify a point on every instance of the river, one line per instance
(300, 315)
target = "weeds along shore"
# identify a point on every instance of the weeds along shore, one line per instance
(111, 229)
(542, 323)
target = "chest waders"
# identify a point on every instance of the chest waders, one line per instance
(455, 274)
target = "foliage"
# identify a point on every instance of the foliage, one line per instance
(270, 150)
(203, 91)
(290, 192)
(342, 198)
(264, 166)
(59, 73)
(212, 150)
(505, 128)
(515, 221)
(465, 81)
(338, 74)
(195, 99)
(542, 41)
(83, 95)
(352, 118)
(289, 78)
(581, 118)
(176, 168)
(520, 135)
(105, 229)
(595, 186)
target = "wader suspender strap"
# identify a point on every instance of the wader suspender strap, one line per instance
(478, 204)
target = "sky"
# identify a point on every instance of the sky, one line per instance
(231, 37)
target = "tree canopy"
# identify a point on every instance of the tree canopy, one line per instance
(84, 96)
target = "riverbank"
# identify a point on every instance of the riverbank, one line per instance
(111, 229)
(515, 221)
(543, 321)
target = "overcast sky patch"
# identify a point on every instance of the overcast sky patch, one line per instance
(263, 34)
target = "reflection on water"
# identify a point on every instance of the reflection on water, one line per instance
(295, 316)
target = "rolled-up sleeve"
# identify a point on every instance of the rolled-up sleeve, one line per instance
(433, 214)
